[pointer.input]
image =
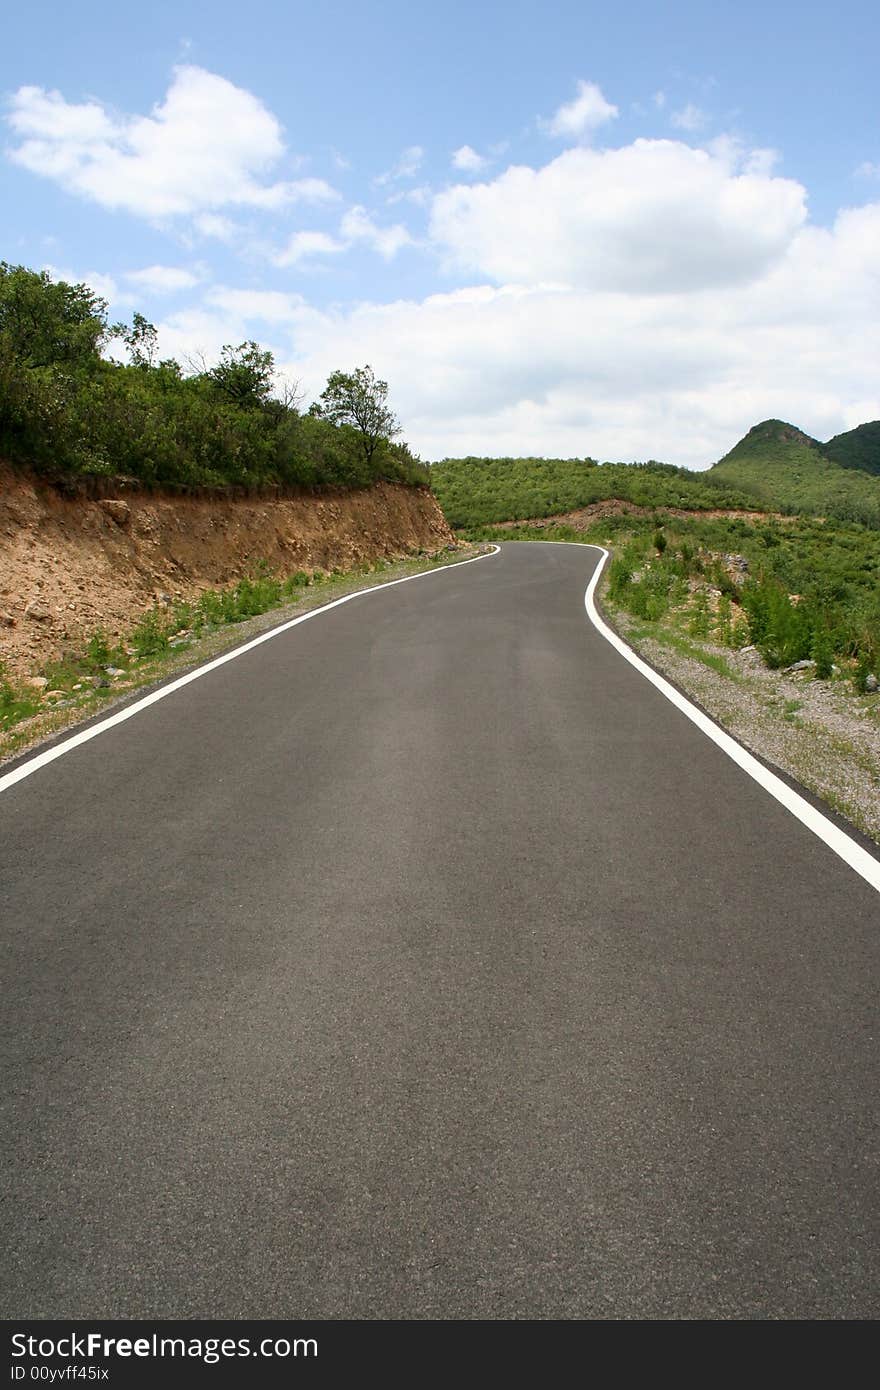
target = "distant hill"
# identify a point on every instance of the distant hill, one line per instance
(483, 491)
(780, 466)
(775, 467)
(858, 448)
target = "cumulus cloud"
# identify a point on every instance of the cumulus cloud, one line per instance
(358, 226)
(103, 285)
(656, 216)
(196, 333)
(577, 119)
(207, 145)
(653, 300)
(214, 225)
(304, 246)
(689, 118)
(468, 161)
(247, 306)
(162, 279)
(550, 369)
(407, 166)
(419, 196)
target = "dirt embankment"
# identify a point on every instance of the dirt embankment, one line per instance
(69, 565)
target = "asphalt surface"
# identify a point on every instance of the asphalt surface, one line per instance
(426, 962)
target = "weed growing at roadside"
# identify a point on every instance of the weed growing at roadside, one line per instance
(14, 704)
(151, 636)
(98, 651)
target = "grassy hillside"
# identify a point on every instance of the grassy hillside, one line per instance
(781, 467)
(858, 448)
(479, 491)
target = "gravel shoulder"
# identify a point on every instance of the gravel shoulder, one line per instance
(819, 732)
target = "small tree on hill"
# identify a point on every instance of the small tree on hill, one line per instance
(141, 341)
(244, 374)
(357, 398)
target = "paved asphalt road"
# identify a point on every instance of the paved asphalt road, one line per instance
(426, 962)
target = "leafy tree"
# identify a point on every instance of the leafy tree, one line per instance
(45, 322)
(359, 399)
(244, 373)
(141, 340)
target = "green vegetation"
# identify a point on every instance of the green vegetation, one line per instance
(479, 492)
(799, 586)
(798, 590)
(677, 643)
(858, 448)
(67, 410)
(359, 400)
(778, 466)
(15, 705)
(775, 467)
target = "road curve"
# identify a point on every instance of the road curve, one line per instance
(425, 962)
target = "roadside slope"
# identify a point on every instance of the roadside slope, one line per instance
(70, 565)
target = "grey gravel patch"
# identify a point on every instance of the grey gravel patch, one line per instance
(830, 743)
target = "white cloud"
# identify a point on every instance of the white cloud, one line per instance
(577, 119)
(407, 166)
(308, 190)
(867, 170)
(530, 369)
(247, 306)
(624, 374)
(212, 224)
(733, 155)
(304, 245)
(689, 118)
(656, 216)
(419, 196)
(468, 161)
(162, 279)
(207, 145)
(103, 285)
(761, 162)
(194, 336)
(649, 301)
(659, 100)
(357, 225)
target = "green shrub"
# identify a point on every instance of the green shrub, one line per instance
(14, 704)
(780, 630)
(98, 651)
(150, 637)
(700, 623)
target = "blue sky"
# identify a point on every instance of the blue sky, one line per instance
(628, 231)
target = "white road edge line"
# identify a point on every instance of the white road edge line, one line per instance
(18, 774)
(836, 839)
